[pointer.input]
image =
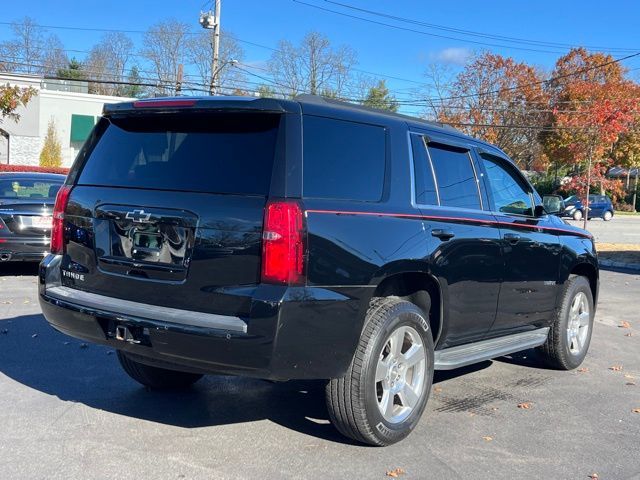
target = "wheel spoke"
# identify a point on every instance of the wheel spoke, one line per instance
(397, 339)
(414, 355)
(578, 343)
(584, 319)
(387, 404)
(408, 396)
(381, 370)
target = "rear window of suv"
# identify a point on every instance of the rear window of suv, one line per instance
(218, 153)
(343, 160)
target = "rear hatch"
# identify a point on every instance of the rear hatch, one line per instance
(167, 208)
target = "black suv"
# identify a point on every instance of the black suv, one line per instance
(310, 239)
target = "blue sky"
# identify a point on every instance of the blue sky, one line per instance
(380, 49)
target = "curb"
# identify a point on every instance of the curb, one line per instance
(621, 265)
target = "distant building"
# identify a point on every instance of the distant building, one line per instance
(67, 103)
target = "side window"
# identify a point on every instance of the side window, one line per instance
(509, 195)
(343, 160)
(425, 187)
(457, 184)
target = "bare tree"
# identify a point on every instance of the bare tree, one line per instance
(312, 67)
(165, 46)
(32, 50)
(109, 60)
(200, 53)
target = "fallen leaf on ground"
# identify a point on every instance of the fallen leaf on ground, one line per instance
(628, 334)
(437, 389)
(628, 375)
(630, 384)
(624, 325)
(636, 410)
(524, 405)
(583, 370)
(594, 476)
(395, 473)
(616, 368)
(487, 438)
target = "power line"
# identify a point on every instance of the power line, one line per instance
(479, 34)
(422, 32)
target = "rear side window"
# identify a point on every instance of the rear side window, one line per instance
(343, 160)
(223, 153)
(455, 176)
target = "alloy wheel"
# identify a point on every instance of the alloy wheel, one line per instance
(578, 325)
(400, 374)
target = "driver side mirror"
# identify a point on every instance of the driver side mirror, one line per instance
(552, 204)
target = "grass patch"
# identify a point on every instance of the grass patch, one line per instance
(630, 214)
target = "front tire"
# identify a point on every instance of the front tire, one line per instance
(577, 215)
(380, 399)
(155, 377)
(570, 333)
(608, 215)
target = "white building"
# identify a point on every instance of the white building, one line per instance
(73, 112)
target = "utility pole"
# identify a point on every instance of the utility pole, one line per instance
(179, 79)
(215, 39)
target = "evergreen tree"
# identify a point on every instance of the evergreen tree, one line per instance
(379, 97)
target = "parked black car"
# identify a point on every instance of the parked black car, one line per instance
(26, 206)
(600, 206)
(310, 239)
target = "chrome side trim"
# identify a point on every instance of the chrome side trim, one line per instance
(150, 312)
(463, 355)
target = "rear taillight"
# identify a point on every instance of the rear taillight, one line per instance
(283, 243)
(57, 228)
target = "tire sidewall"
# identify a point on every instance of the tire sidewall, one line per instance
(577, 215)
(404, 314)
(605, 217)
(579, 285)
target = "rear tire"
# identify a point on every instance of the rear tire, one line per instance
(156, 378)
(381, 397)
(577, 215)
(570, 333)
(606, 216)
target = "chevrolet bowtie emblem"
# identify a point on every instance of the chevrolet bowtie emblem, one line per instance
(138, 216)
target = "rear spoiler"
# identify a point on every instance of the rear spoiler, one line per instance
(203, 103)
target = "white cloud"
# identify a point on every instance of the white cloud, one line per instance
(454, 55)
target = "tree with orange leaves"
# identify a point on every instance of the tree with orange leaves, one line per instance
(593, 105)
(501, 101)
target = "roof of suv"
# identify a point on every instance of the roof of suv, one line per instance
(300, 103)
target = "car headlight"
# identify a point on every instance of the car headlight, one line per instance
(570, 207)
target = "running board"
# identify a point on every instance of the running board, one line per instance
(463, 355)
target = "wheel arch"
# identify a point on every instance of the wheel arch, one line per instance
(417, 286)
(589, 271)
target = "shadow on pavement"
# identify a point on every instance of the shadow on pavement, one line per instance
(37, 356)
(18, 268)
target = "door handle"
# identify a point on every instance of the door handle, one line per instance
(512, 237)
(442, 234)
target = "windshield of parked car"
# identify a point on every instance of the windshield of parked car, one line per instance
(572, 199)
(29, 188)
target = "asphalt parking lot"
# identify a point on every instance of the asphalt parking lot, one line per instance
(623, 229)
(67, 411)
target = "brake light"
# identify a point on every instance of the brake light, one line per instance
(164, 103)
(283, 243)
(57, 227)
